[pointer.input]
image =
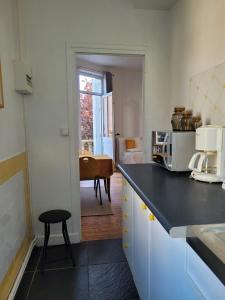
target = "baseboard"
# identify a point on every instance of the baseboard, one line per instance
(22, 270)
(57, 239)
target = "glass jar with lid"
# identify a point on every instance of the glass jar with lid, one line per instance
(186, 121)
(177, 117)
(196, 122)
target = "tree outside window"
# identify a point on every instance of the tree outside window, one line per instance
(86, 112)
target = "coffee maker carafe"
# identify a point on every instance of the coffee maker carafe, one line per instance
(208, 164)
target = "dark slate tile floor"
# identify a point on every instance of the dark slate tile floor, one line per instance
(101, 273)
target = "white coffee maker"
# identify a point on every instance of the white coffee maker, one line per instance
(208, 164)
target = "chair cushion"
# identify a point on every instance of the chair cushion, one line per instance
(133, 157)
(54, 216)
(130, 143)
(121, 147)
(134, 150)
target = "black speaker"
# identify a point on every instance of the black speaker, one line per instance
(108, 82)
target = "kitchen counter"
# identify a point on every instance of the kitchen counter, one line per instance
(175, 199)
(178, 201)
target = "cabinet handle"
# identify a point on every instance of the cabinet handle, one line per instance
(125, 216)
(124, 198)
(143, 206)
(151, 217)
(125, 245)
(125, 230)
(124, 183)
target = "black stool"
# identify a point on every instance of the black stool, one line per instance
(52, 217)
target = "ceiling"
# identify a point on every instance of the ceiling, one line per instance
(154, 4)
(131, 62)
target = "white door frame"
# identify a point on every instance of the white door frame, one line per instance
(74, 112)
(104, 138)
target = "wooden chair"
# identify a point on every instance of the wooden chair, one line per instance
(105, 174)
(89, 171)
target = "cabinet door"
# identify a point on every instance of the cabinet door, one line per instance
(161, 272)
(169, 278)
(207, 282)
(127, 211)
(141, 246)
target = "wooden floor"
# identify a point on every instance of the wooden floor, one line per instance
(106, 227)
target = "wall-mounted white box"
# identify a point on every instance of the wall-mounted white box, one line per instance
(23, 78)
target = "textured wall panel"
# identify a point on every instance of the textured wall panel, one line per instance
(12, 220)
(207, 95)
(15, 220)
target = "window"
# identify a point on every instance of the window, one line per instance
(91, 83)
(107, 116)
(91, 90)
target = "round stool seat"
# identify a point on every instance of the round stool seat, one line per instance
(54, 216)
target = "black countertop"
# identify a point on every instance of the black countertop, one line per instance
(175, 199)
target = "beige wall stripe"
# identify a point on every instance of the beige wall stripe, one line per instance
(11, 166)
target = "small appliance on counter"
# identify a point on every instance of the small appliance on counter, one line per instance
(173, 150)
(208, 164)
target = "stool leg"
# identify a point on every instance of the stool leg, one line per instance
(68, 242)
(48, 234)
(64, 234)
(44, 253)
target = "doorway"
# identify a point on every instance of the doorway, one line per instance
(73, 112)
(111, 101)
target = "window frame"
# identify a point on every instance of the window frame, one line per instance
(95, 75)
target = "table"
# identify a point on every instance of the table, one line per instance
(105, 167)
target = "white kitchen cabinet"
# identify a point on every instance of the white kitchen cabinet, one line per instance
(203, 277)
(127, 200)
(141, 244)
(168, 274)
(163, 267)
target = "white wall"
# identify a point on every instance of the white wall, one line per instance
(197, 43)
(128, 102)
(12, 141)
(12, 137)
(49, 24)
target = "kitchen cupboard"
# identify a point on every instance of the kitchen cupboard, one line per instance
(141, 241)
(209, 285)
(163, 267)
(137, 238)
(127, 199)
(169, 279)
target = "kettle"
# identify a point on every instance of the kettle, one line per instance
(199, 157)
(201, 168)
(208, 164)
